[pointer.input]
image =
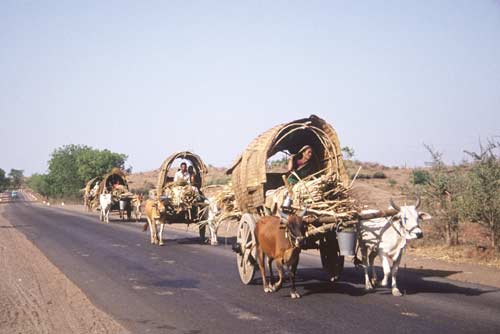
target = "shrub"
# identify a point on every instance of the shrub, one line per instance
(392, 182)
(420, 177)
(379, 175)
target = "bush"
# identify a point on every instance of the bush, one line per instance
(379, 175)
(420, 177)
(392, 182)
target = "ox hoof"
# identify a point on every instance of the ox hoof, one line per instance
(396, 292)
(161, 243)
(214, 243)
(368, 287)
(374, 282)
(295, 295)
(268, 290)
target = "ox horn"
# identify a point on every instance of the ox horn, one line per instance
(418, 202)
(394, 205)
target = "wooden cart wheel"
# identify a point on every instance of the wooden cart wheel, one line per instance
(247, 257)
(331, 259)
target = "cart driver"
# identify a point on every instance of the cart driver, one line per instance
(302, 164)
(182, 174)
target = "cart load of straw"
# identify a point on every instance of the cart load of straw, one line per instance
(120, 192)
(181, 197)
(226, 202)
(324, 196)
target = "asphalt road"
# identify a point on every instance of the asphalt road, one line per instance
(185, 287)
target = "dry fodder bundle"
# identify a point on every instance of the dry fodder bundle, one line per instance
(180, 197)
(121, 192)
(226, 202)
(324, 196)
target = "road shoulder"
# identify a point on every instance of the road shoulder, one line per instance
(36, 297)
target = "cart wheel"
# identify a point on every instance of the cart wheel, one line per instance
(331, 259)
(246, 256)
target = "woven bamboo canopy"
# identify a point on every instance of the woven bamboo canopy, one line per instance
(116, 175)
(248, 172)
(194, 160)
(90, 184)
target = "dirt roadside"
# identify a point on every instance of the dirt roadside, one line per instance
(35, 297)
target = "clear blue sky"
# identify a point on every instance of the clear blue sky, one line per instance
(149, 78)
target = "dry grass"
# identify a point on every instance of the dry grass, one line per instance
(458, 254)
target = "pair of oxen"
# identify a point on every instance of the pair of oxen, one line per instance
(279, 239)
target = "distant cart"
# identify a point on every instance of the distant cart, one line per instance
(184, 202)
(116, 184)
(91, 193)
(324, 194)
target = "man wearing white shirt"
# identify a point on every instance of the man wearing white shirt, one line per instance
(182, 174)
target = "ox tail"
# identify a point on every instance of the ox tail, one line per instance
(145, 227)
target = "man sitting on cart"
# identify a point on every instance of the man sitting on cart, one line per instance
(182, 175)
(301, 164)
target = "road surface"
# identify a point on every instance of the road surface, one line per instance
(185, 287)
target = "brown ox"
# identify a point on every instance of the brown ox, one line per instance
(155, 213)
(279, 239)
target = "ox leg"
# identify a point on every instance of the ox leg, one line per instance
(387, 268)
(371, 260)
(394, 273)
(364, 255)
(279, 268)
(294, 294)
(160, 234)
(271, 275)
(152, 230)
(262, 269)
(213, 233)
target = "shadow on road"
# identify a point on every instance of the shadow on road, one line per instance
(410, 282)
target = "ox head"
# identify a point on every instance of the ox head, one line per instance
(160, 206)
(295, 229)
(410, 219)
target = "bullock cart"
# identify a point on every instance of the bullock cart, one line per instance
(184, 201)
(91, 193)
(260, 191)
(116, 184)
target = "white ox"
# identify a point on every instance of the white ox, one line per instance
(212, 220)
(387, 238)
(105, 202)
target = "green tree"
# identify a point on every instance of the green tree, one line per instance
(16, 178)
(4, 181)
(348, 152)
(72, 165)
(39, 183)
(482, 193)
